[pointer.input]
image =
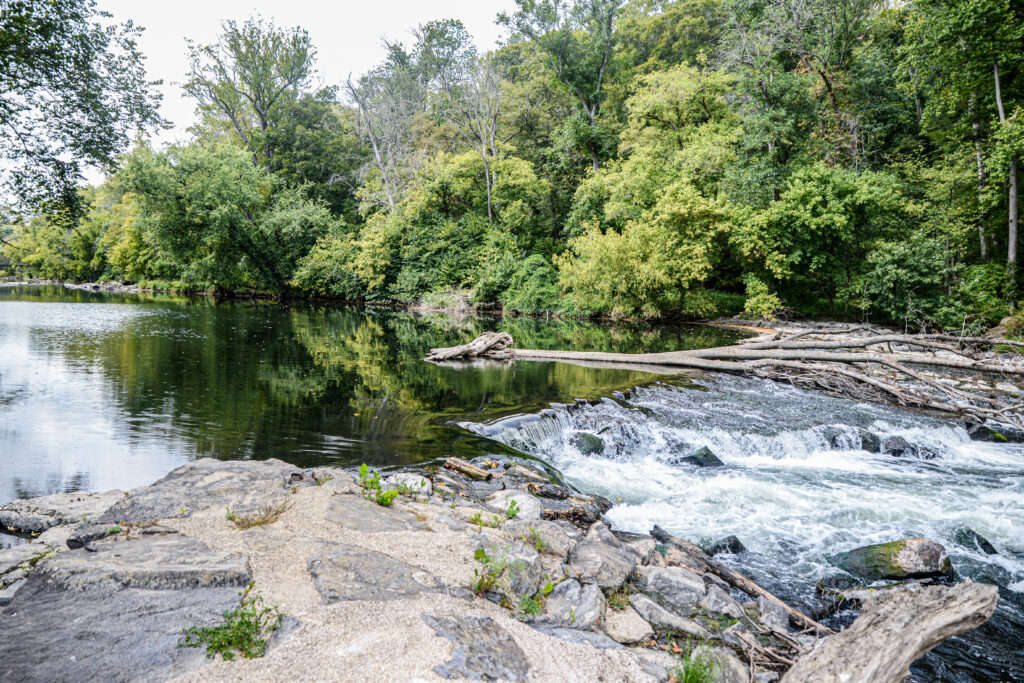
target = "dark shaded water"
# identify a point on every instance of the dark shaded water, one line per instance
(100, 392)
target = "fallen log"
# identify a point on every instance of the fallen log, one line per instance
(736, 579)
(470, 470)
(496, 345)
(893, 630)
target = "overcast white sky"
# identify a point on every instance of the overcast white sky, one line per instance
(347, 34)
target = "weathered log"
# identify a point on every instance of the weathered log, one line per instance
(468, 469)
(497, 345)
(893, 630)
(736, 579)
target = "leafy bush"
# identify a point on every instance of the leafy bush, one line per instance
(533, 287)
(245, 631)
(761, 302)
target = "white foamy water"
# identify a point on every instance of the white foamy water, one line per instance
(797, 485)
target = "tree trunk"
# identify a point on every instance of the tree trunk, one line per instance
(976, 128)
(1011, 207)
(487, 178)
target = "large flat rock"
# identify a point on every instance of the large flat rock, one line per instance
(243, 485)
(483, 650)
(355, 512)
(36, 515)
(118, 613)
(344, 572)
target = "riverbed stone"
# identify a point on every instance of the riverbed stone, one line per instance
(869, 441)
(573, 605)
(36, 515)
(588, 444)
(482, 649)
(971, 539)
(352, 511)
(119, 612)
(663, 620)
(528, 507)
(343, 572)
(245, 486)
(627, 627)
(905, 559)
(702, 457)
(719, 601)
(729, 544)
(601, 558)
(673, 586)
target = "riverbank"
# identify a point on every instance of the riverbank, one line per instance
(498, 572)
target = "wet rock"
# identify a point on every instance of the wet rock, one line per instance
(572, 635)
(573, 605)
(600, 558)
(243, 485)
(482, 650)
(542, 535)
(773, 614)
(118, 613)
(678, 588)
(345, 572)
(899, 447)
(905, 559)
(519, 471)
(588, 444)
(526, 505)
(627, 627)
(36, 515)
(580, 511)
(720, 602)
(729, 544)
(548, 491)
(409, 483)
(869, 442)
(994, 433)
(663, 620)
(969, 538)
(523, 569)
(355, 512)
(702, 457)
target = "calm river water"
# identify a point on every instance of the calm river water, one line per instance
(100, 392)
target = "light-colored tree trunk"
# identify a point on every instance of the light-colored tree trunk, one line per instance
(1011, 207)
(976, 128)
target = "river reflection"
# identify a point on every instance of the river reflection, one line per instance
(100, 391)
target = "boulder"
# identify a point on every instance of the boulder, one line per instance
(588, 444)
(994, 433)
(519, 564)
(892, 631)
(528, 507)
(542, 535)
(869, 442)
(971, 539)
(673, 586)
(36, 515)
(573, 605)
(702, 457)
(663, 620)
(906, 559)
(627, 627)
(729, 544)
(899, 447)
(719, 601)
(773, 614)
(601, 558)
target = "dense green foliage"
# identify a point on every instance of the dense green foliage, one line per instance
(637, 159)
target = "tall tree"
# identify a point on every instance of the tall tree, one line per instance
(578, 39)
(73, 91)
(253, 71)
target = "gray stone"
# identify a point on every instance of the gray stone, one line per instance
(663, 620)
(766, 677)
(573, 605)
(601, 558)
(627, 627)
(773, 614)
(702, 457)
(355, 512)
(588, 444)
(245, 486)
(912, 558)
(869, 442)
(346, 572)
(13, 557)
(7, 594)
(118, 613)
(675, 587)
(729, 544)
(36, 515)
(972, 540)
(728, 667)
(572, 635)
(523, 472)
(718, 600)
(410, 483)
(529, 508)
(522, 566)
(482, 650)
(550, 536)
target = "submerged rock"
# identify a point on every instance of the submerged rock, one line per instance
(588, 444)
(729, 544)
(702, 457)
(906, 559)
(969, 538)
(869, 442)
(994, 433)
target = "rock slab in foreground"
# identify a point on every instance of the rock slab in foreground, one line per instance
(36, 515)
(483, 650)
(347, 572)
(118, 613)
(893, 631)
(912, 558)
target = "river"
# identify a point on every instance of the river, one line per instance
(105, 391)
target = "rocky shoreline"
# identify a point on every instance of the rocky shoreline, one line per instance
(493, 570)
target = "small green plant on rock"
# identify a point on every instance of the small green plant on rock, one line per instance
(369, 481)
(386, 498)
(512, 510)
(487, 576)
(530, 605)
(479, 520)
(267, 515)
(697, 667)
(245, 631)
(537, 541)
(618, 600)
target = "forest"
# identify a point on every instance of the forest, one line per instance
(629, 159)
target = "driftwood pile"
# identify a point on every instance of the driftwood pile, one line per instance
(494, 345)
